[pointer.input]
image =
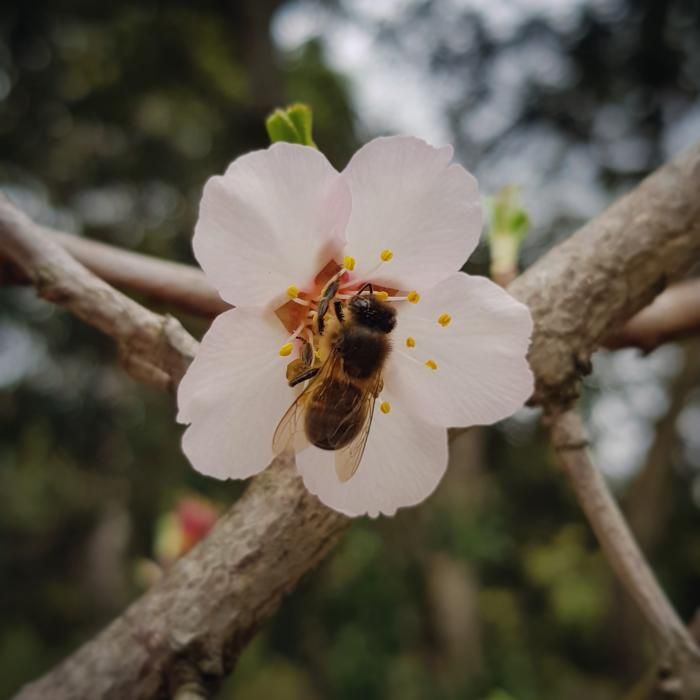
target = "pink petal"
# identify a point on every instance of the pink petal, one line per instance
(407, 198)
(274, 219)
(482, 373)
(404, 460)
(233, 395)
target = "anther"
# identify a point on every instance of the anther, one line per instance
(413, 297)
(286, 350)
(431, 364)
(410, 342)
(349, 263)
(382, 296)
(444, 319)
(292, 291)
(385, 407)
(386, 255)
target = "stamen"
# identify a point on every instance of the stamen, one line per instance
(431, 364)
(292, 291)
(413, 297)
(301, 302)
(410, 342)
(382, 296)
(287, 348)
(349, 263)
(444, 319)
(386, 255)
(385, 407)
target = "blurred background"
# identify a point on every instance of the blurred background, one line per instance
(112, 116)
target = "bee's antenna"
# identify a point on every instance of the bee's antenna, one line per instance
(367, 285)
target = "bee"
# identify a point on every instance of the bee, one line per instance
(334, 412)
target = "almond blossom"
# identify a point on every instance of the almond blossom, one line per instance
(272, 231)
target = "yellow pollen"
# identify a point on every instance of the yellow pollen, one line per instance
(413, 297)
(386, 255)
(382, 296)
(444, 319)
(286, 350)
(292, 292)
(410, 342)
(431, 363)
(385, 407)
(349, 263)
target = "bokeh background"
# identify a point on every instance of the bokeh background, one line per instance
(112, 116)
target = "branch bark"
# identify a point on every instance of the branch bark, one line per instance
(217, 596)
(680, 656)
(153, 348)
(673, 315)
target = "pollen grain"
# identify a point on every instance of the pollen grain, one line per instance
(410, 342)
(444, 319)
(431, 364)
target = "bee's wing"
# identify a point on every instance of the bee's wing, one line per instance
(348, 458)
(290, 433)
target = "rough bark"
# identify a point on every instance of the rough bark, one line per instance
(217, 596)
(611, 268)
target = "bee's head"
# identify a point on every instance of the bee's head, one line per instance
(368, 311)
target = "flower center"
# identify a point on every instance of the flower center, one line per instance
(310, 307)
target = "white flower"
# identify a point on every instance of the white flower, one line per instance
(277, 225)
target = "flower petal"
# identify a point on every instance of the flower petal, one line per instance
(481, 373)
(233, 395)
(404, 460)
(274, 219)
(408, 199)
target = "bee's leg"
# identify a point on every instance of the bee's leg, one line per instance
(379, 388)
(307, 354)
(303, 376)
(339, 311)
(320, 314)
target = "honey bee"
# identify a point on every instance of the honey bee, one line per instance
(334, 412)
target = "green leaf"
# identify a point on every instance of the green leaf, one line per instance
(292, 125)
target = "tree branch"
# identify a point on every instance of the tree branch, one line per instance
(152, 348)
(217, 596)
(680, 655)
(673, 315)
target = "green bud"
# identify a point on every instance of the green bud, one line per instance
(510, 224)
(293, 125)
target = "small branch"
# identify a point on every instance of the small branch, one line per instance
(673, 315)
(679, 651)
(153, 348)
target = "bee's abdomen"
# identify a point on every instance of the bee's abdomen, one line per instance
(333, 419)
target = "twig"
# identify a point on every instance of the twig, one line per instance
(673, 315)
(624, 556)
(153, 348)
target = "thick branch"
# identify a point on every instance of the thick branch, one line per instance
(594, 281)
(680, 653)
(153, 348)
(218, 595)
